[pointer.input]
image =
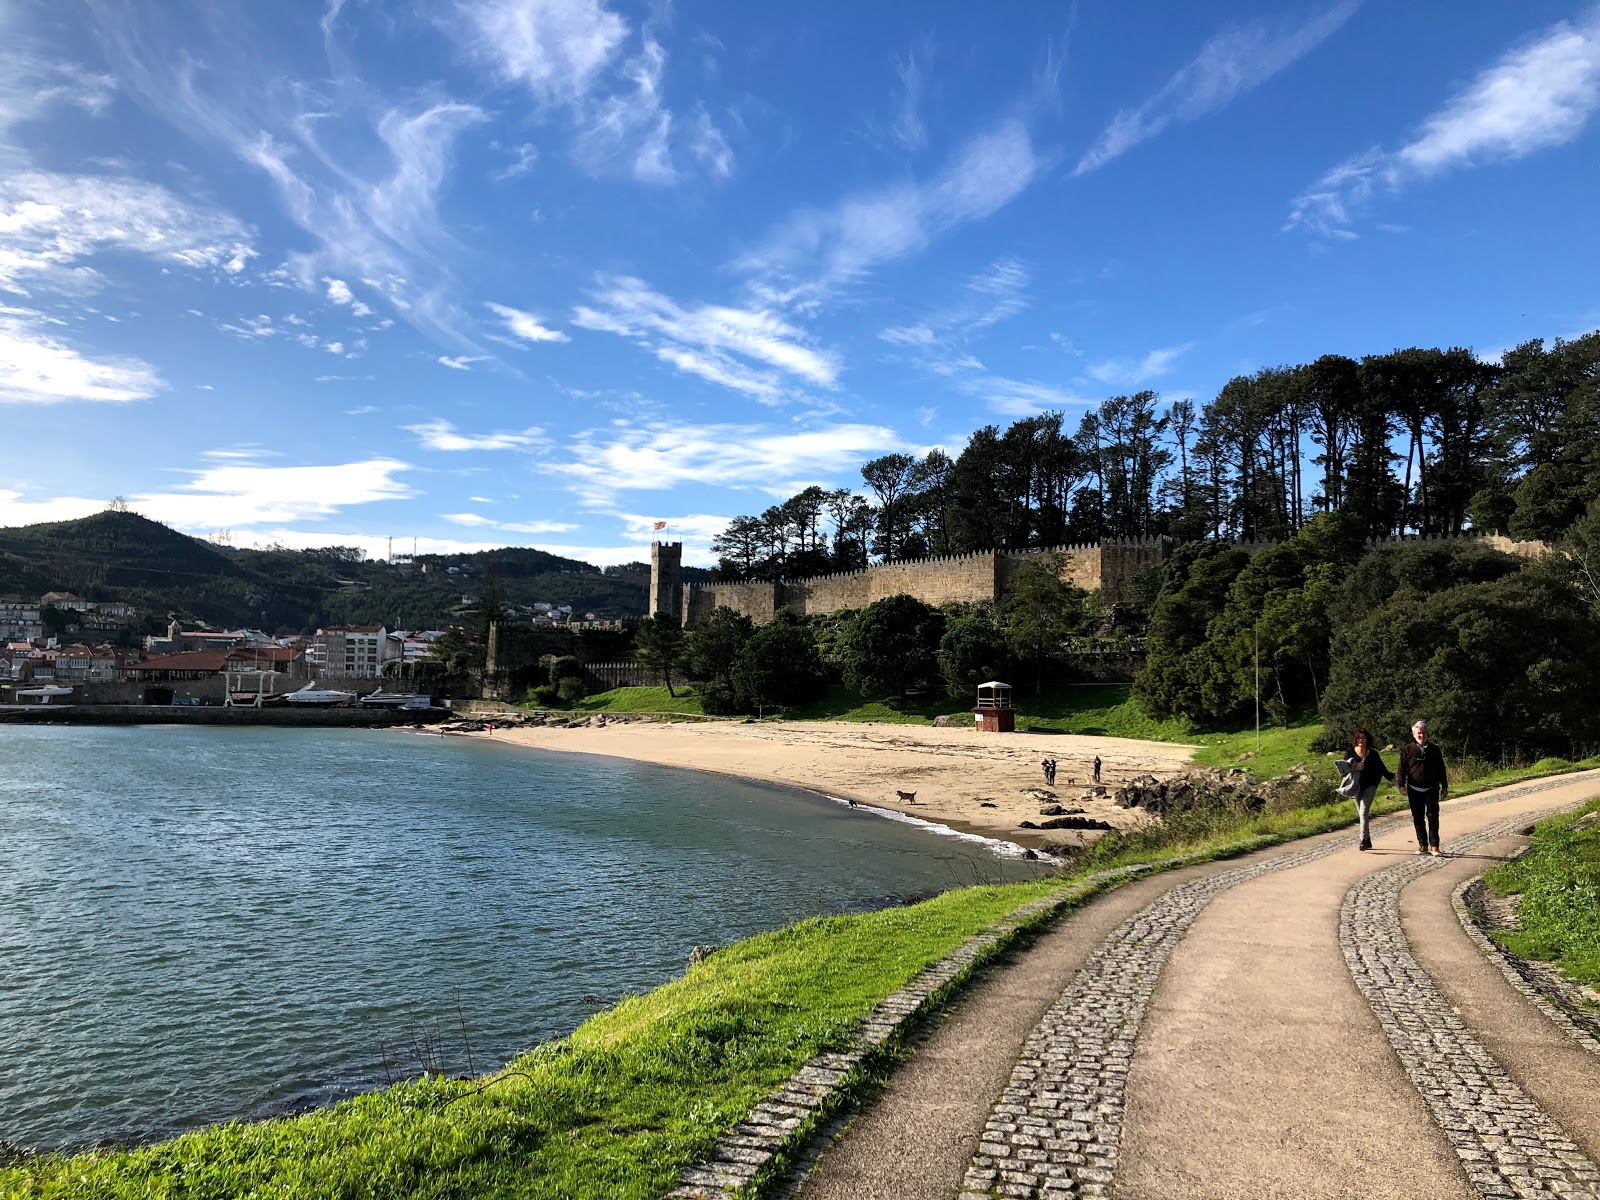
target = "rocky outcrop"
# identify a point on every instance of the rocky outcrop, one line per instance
(1233, 790)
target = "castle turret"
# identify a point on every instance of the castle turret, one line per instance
(666, 579)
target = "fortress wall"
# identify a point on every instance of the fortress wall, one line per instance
(828, 593)
(755, 599)
(964, 578)
(1121, 563)
(1080, 566)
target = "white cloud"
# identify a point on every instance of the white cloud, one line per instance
(907, 128)
(937, 342)
(525, 325)
(813, 251)
(339, 292)
(1234, 61)
(14, 510)
(1127, 373)
(463, 363)
(664, 456)
(1537, 95)
(442, 435)
(1019, 398)
(37, 367)
(556, 49)
(526, 156)
(479, 521)
(52, 226)
(240, 496)
(569, 55)
(709, 340)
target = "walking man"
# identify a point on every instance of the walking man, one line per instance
(1097, 768)
(1422, 778)
(1049, 766)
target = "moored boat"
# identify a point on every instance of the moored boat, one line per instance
(312, 694)
(382, 699)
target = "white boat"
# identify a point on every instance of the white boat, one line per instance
(382, 699)
(312, 694)
(44, 693)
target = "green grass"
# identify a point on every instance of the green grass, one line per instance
(1559, 882)
(642, 700)
(616, 1110)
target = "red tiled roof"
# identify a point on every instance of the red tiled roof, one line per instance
(268, 654)
(189, 660)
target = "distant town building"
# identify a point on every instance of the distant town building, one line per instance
(354, 650)
(19, 619)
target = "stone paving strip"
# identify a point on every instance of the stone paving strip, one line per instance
(1057, 1128)
(782, 1123)
(1507, 1145)
(1555, 999)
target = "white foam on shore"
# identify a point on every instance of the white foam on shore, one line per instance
(999, 846)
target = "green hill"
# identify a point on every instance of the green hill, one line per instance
(123, 556)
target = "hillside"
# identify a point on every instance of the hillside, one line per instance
(123, 556)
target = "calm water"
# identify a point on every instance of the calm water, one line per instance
(198, 925)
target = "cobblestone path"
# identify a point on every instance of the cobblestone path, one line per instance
(1056, 1129)
(1507, 1145)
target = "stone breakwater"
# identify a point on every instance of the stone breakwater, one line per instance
(1506, 1144)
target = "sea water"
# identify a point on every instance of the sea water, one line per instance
(207, 924)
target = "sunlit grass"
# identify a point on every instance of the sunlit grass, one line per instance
(1559, 882)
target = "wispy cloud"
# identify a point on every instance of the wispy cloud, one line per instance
(936, 341)
(1019, 397)
(15, 509)
(479, 521)
(525, 325)
(1233, 62)
(573, 56)
(1133, 372)
(907, 128)
(442, 435)
(664, 456)
(1538, 94)
(716, 342)
(463, 363)
(38, 367)
(815, 251)
(237, 496)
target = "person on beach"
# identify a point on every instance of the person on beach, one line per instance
(1049, 766)
(1097, 768)
(1422, 778)
(1368, 766)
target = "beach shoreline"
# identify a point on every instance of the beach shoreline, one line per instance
(976, 783)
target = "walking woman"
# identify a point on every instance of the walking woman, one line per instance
(1368, 764)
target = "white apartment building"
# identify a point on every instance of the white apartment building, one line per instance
(19, 619)
(358, 651)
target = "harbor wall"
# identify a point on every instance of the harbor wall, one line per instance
(285, 715)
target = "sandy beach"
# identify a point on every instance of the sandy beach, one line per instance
(985, 783)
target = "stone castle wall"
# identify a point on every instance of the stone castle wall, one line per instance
(1111, 568)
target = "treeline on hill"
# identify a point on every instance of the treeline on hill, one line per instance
(1500, 654)
(890, 648)
(1419, 440)
(119, 555)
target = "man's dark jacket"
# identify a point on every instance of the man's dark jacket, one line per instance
(1422, 766)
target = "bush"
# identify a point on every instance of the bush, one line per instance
(571, 689)
(544, 696)
(718, 701)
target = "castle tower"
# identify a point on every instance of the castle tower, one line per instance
(666, 579)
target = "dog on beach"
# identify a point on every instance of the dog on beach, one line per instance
(906, 797)
(850, 802)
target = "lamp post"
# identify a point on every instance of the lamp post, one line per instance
(1258, 686)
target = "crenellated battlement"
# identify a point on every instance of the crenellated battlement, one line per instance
(1111, 567)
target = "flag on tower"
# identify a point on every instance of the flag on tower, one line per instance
(661, 524)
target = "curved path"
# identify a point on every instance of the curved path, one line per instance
(1309, 1021)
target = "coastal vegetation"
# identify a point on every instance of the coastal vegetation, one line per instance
(1558, 881)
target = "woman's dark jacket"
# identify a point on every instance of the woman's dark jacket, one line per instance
(1373, 770)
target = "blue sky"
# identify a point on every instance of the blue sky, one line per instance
(543, 272)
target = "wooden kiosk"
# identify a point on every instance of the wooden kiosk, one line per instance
(994, 713)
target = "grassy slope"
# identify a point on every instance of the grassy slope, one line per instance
(642, 700)
(1559, 882)
(615, 1110)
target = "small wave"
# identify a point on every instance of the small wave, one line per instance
(999, 846)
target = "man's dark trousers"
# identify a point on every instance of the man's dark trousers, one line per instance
(1424, 814)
